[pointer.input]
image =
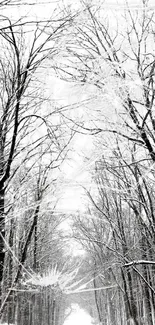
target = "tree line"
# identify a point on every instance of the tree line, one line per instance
(110, 56)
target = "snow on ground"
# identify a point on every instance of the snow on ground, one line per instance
(78, 316)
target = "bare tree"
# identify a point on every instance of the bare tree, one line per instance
(25, 123)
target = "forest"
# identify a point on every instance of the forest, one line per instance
(77, 86)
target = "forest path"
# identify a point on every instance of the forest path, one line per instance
(78, 315)
(81, 309)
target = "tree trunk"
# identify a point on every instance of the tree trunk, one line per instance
(2, 232)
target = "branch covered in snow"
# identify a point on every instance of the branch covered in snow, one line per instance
(138, 262)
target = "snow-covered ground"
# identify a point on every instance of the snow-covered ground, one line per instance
(78, 316)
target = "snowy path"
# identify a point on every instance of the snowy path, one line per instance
(78, 316)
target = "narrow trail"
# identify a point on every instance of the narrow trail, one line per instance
(77, 316)
(81, 309)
